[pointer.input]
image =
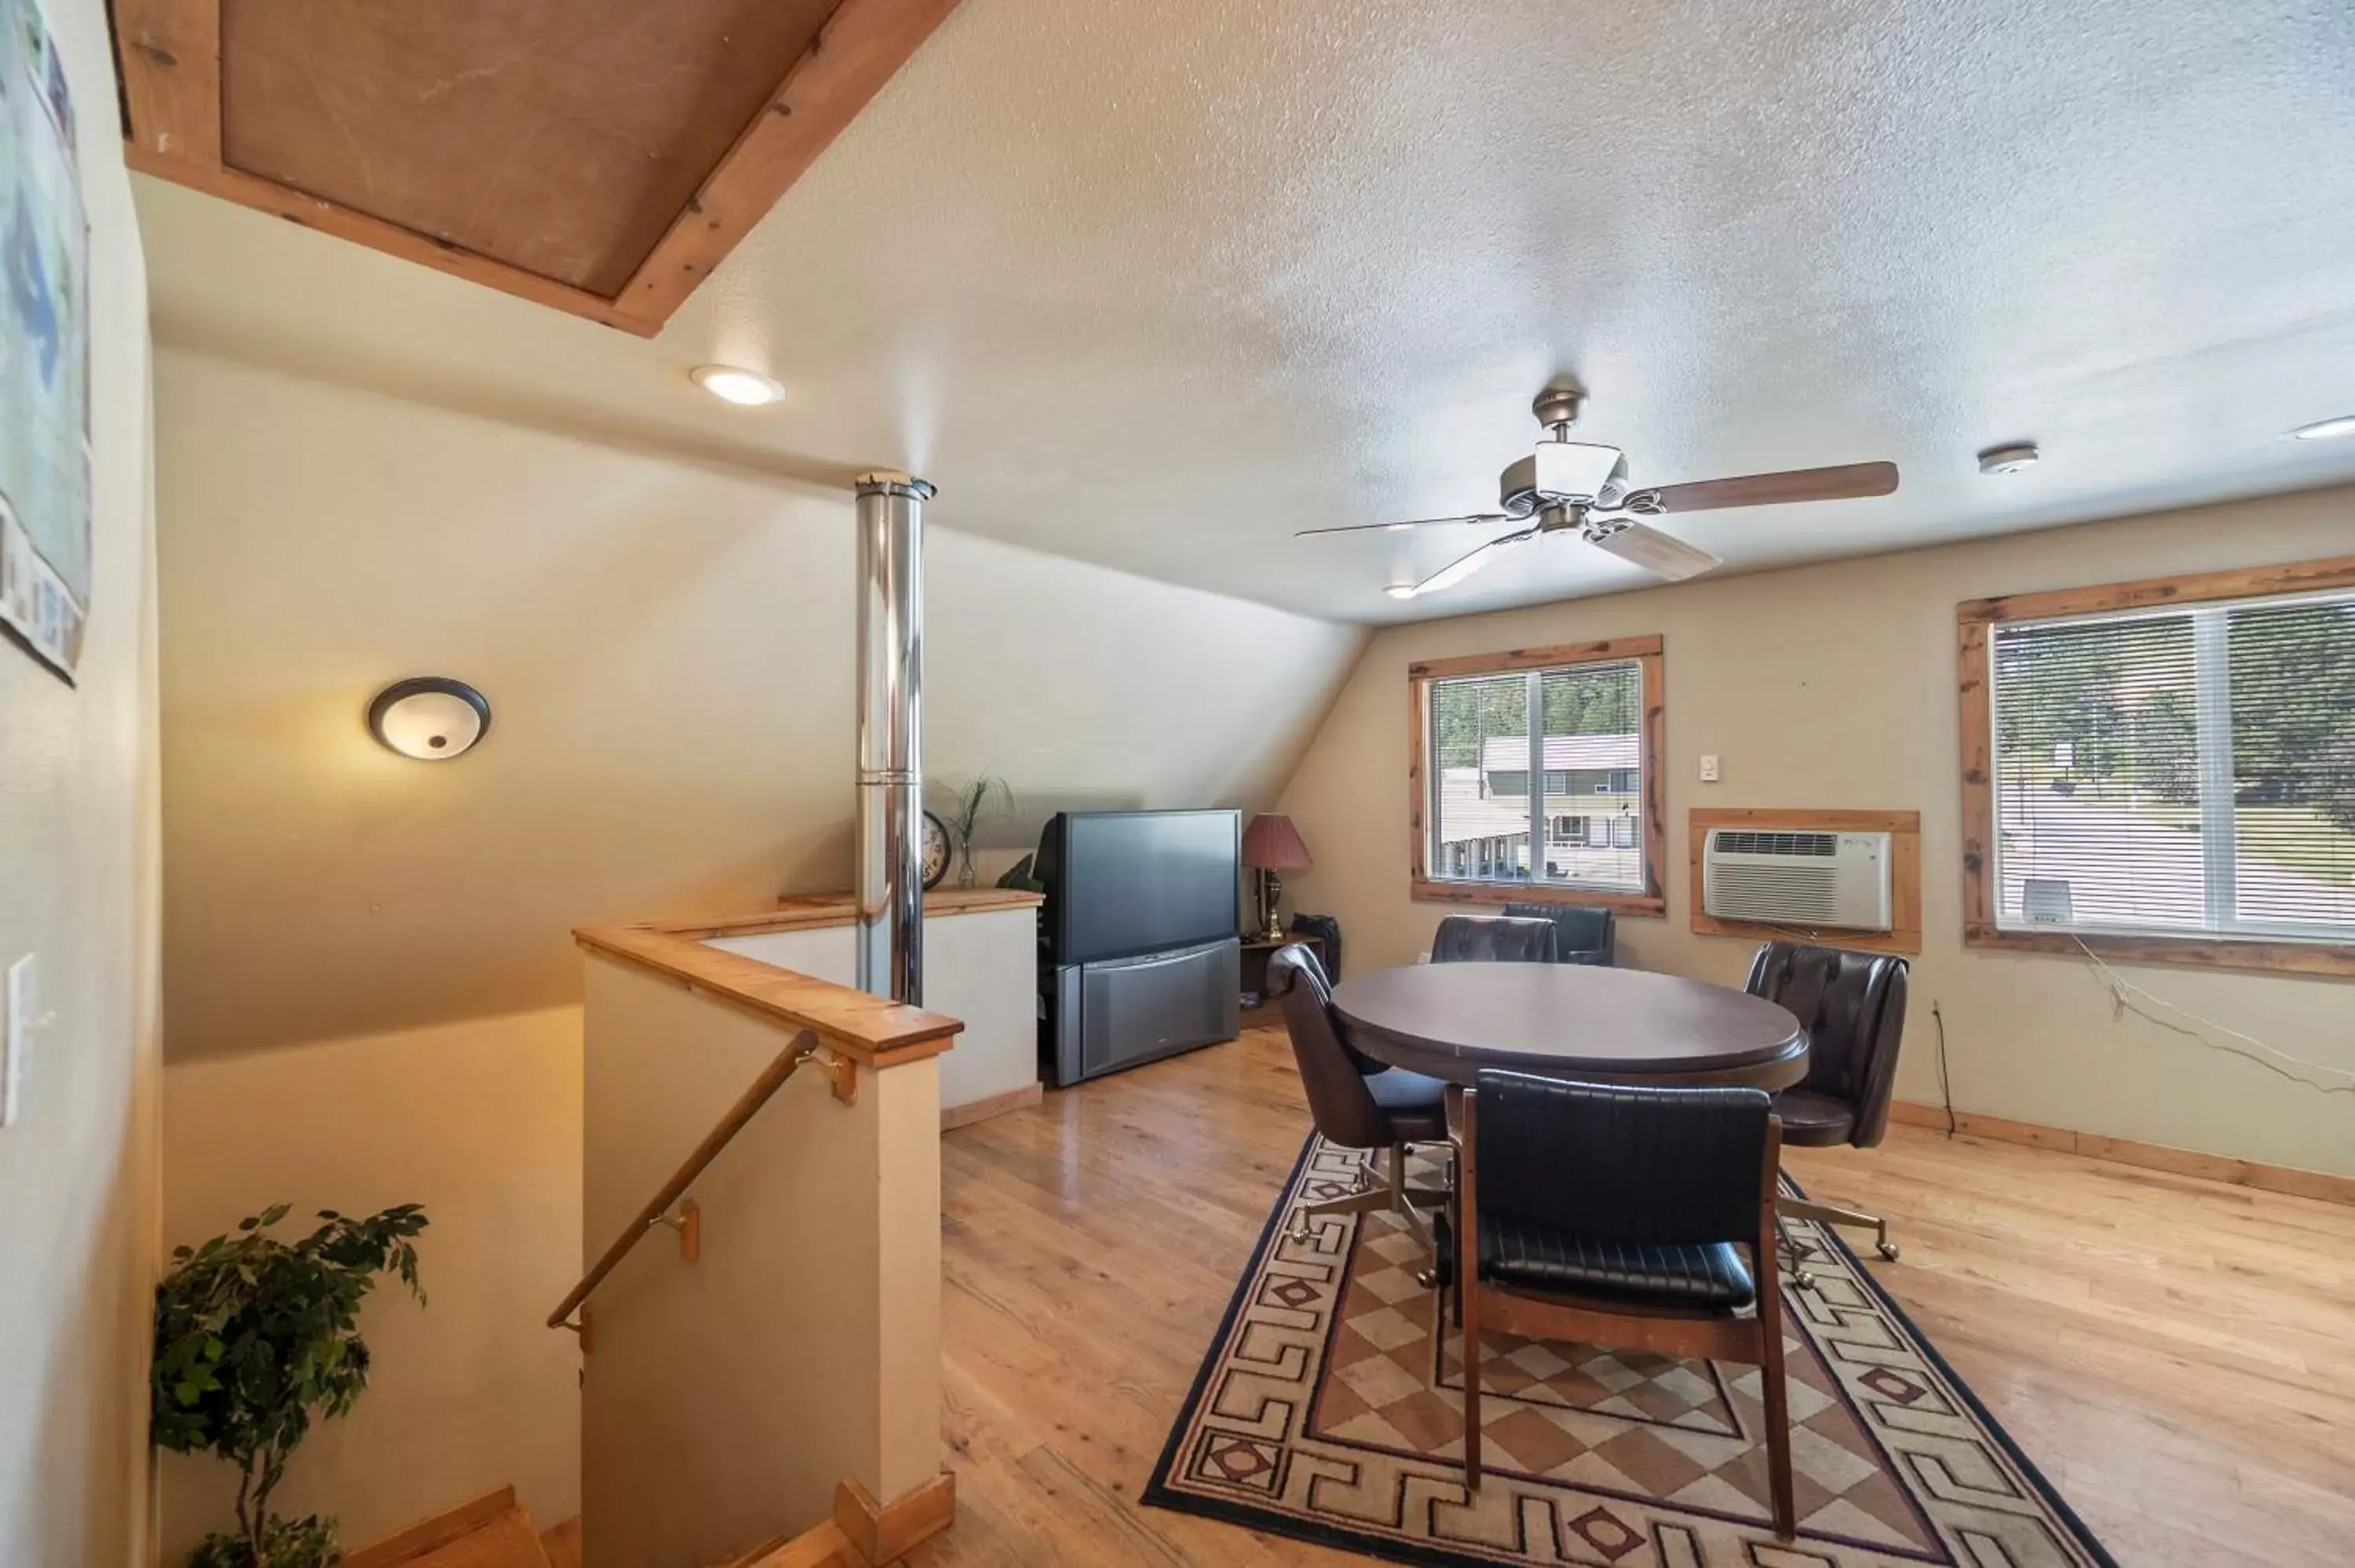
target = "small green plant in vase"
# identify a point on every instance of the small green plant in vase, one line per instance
(254, 1339)
(972, 804)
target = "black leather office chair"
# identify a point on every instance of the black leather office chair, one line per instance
(1470, 939)
(1355, 1101)
(1852, 1006)
(1581, 935)
(1632, 1217)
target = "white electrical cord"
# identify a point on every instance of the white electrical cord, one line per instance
(2122, 995)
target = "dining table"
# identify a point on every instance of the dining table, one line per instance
(1571, 1020)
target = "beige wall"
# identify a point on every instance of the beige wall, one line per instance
(668, 651)
(78, 889)
(1835, 685)
(480, 1123)
(724, 1399)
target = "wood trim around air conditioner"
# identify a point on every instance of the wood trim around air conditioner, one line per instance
(1905, 831)
(1649, 654)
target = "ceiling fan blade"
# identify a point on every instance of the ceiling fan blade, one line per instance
(1656, 552)
(1463, 565)
(1394, 527)
(1845, 483)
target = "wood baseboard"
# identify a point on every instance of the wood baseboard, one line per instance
(863, 1533)
(562, 1543)
(428, 1533)
(2319, 1184)
(996, 1104)
(884, 1532)
(823, 1547)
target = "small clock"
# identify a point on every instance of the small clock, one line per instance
(936, 851)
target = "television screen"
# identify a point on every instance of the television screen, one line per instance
(1132, 882)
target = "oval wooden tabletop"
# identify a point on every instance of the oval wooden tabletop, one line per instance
(1571, 1020)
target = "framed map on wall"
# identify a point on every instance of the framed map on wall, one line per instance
(45, 534)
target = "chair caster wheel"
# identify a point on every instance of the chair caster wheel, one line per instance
(1428, 1278)
(1889, 1251)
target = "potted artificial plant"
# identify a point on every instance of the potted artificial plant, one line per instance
(255, 1336)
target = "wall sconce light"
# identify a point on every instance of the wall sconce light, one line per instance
(431, 718)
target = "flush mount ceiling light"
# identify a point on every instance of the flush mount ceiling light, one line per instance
(2328, 429)
(1400, 590)
(732, 384)
(2010, 459)
(432, 718)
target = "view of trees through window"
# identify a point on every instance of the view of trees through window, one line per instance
(2194, 770)
(1587, 746)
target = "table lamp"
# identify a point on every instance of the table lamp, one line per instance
(1271, 844)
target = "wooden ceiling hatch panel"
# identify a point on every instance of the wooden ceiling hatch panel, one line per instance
(601, 156)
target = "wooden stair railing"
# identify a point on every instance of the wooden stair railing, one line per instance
(804, 1047)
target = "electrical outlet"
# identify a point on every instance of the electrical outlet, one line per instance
(15, 1039)
(1709, 774)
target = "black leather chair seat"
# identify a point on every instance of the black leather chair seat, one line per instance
(1516, 1252)
(1818, 1121)
(1415, 1105)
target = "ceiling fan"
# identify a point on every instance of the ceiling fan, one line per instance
(1566, 485)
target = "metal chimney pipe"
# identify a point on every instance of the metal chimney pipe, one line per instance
(889, 839)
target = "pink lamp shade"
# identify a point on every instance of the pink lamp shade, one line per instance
(1271, 843)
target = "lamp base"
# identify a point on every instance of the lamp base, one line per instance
(1270, 894)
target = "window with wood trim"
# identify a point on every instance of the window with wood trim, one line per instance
(1584, 723)
(2167, 768)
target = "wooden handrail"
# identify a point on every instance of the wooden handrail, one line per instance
(876, 1030)
(772, 1079)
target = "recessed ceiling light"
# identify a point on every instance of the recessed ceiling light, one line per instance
(1400, 590)
(2008, 459)
(2326, 430)
(732, 384)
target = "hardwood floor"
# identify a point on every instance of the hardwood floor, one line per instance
(2178, 1356)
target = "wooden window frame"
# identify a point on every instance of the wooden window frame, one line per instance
(1974, 639)
(1648, 653)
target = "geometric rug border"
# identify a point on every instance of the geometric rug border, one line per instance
(1158, 1494)
(2045, 1491)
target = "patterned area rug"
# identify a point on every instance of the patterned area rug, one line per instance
(1330, 1410)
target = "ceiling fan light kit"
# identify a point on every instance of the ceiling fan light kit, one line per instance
(1581, 487)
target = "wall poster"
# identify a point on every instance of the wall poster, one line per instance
(45, 481)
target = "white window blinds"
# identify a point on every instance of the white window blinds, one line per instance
(2187, 771)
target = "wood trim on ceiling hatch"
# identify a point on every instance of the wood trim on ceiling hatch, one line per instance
(168, 52)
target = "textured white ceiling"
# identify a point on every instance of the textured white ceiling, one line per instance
(1155, 285)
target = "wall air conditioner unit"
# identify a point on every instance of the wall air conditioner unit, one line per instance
(1807, 880)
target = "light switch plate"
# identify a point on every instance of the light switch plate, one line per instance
(1709, 774)
(15, 1039)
